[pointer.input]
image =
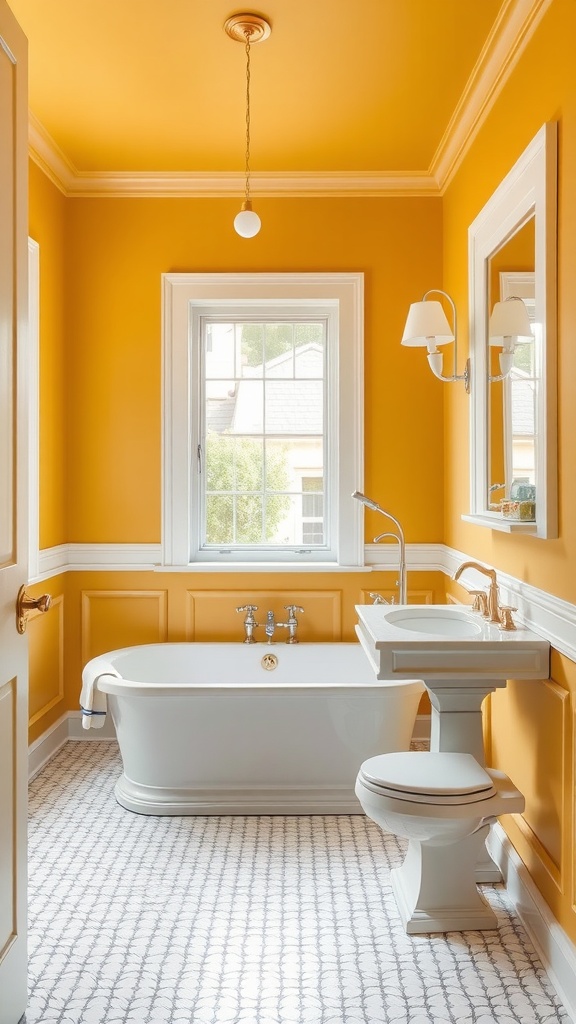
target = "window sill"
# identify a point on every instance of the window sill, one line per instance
(257, 567)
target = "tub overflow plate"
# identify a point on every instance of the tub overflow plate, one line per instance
(269, 662)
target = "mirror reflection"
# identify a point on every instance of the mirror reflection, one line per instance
(512, 280)
(512, 361)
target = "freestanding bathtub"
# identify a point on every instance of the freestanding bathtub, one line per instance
(232, 728)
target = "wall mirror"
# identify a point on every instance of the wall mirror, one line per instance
(512, 262)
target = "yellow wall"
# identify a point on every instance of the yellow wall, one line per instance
(47, 227)
(122, 246)
(532, 724)
(109, 255)
(100, 481)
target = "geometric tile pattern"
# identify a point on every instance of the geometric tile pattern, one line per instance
(262, 920)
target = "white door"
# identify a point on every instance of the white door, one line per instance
(13, 513)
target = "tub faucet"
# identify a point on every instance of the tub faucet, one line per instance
(398, 537)
(270, 626)
(493, 610)
(292, 624)
(249, 622)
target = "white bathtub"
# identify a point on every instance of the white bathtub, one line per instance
(203, 728)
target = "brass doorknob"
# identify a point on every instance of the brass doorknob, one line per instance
(25, 603)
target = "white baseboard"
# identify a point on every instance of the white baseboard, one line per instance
(68, 727)
(556, 951)
(47, 745)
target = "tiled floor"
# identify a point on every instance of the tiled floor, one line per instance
(263, 920)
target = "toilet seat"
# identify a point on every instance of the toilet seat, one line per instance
(434, 778)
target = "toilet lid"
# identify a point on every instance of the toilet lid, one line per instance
(428, 777)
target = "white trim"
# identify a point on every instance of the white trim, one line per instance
(33, 407)
(555, 949)
(515, 25)
(182, 296)
(419, 557)
(551, 617)
(528, 190)
(47, 746)
(512, 30)
(94, 557)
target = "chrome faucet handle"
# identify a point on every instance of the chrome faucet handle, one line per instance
(377, 598)
(250, 623)
(292, 609)
(480, 602)
(507, 623)
(250, 608)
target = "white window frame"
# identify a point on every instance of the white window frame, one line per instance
(185, 296)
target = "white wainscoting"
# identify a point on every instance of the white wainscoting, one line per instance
(551, 617)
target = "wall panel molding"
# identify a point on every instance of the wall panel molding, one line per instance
(550, 616)
(106, 613)
(555, 949)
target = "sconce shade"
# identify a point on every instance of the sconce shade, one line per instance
(426, 320)
(509, 319)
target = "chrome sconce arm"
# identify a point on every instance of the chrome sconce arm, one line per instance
(427, 326)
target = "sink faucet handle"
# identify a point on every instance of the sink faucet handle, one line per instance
(377, 598)
(507, 623)
(480, 602)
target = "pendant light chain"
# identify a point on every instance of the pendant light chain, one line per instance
(247, 29)
(247, 171)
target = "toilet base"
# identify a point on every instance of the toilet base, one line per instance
(435, 889)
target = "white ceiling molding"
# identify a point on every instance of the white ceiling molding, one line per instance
(514, 27)
(512, 30)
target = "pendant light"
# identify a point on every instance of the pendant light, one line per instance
(247, 29)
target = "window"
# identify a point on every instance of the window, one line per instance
(263, 418)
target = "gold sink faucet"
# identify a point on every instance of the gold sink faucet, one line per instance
(493, 610)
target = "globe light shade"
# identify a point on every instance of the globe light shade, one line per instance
(247, 223)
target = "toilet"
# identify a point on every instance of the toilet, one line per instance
(443, 803)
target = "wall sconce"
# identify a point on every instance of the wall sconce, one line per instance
(509, 326)
(247, 29)
(427, 326)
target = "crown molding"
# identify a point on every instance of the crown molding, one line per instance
(516, 23)
(514, 27)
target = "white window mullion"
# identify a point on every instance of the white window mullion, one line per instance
(269, 298)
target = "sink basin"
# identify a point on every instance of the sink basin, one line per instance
(436, 620)
(447, 642)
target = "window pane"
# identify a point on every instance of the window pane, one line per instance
(219, 350)
(294, 407)
(219, 519)
(248, 416)
(250, 349)
(248, 519)
(220, 405)
(233, 463)
(279, 350)
(309, 357)
(279, 466)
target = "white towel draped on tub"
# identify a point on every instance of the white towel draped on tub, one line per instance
(92, 700)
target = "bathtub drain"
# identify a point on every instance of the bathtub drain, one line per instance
(269, 662)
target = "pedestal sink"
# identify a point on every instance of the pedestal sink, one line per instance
(460, 657)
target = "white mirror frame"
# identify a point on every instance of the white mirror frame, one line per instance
(528, 190)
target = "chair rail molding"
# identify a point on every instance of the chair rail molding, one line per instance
(552, 617)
